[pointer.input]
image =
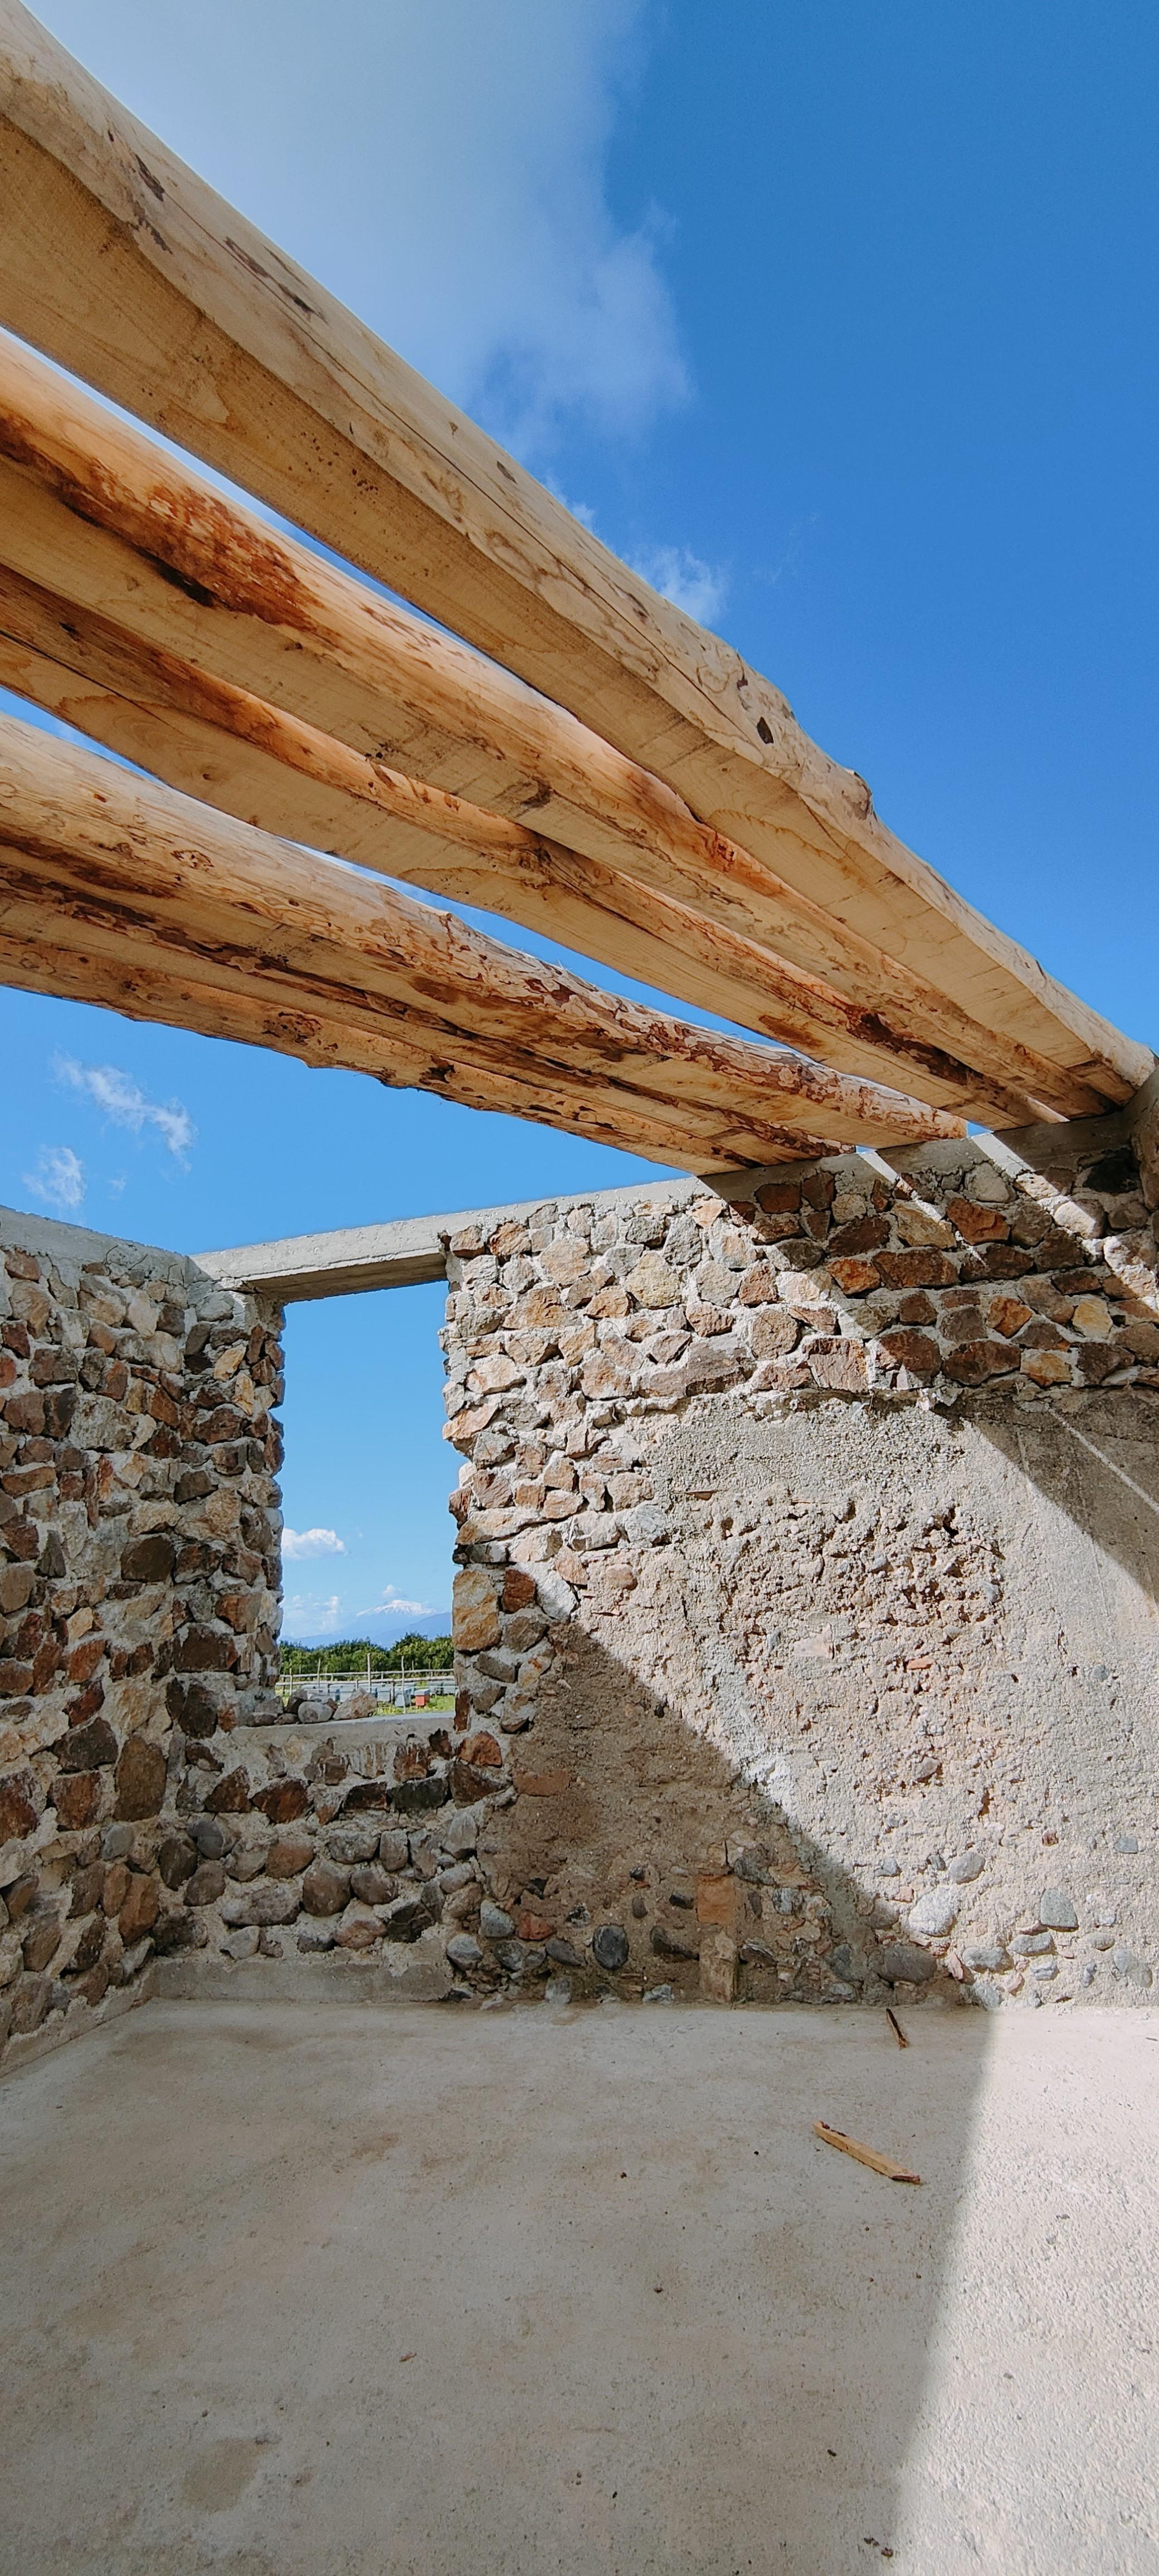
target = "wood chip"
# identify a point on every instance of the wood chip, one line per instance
(864, 2155)
(896, 2028)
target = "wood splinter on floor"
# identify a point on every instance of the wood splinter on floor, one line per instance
(864, 2155)
(896, 2028)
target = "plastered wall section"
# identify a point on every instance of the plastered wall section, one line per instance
(139, 1581)
(806, 1615)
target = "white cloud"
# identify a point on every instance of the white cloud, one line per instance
(123, 1101)
(444, 170)
(310, 1610)
(312, 1542)
(700, 589)
(392, 1601)
(58, 1178)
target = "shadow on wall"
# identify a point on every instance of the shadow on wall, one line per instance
(638, 1839)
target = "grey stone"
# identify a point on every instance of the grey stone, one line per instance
(846, 1966)
(464, 1952)
(241, 1944)
(277, 1904)
(206, 1884)
(460, 1832)
(610, 1947)
(1031, 1945)
(563, 1953)
(1056, 1909)
(901, 1963)
(460, 1874)
(355, 1840)
(986, 1954)
(557, 1990)
(209, 1837)
(935, 1912)
(750, 1864)
(658, 1995)
(494, 1924)
(248, 1861)
(512, 1956)
(406, 1918)
(117, 1841)
(499, 1664)
(1046, 1968)
(556, 1595)
(372, 1885)
(1126, 1843)
(968, 1865)
(393, 1850)
(315, 1936)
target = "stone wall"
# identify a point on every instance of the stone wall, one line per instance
(806, 1621)
(805, 1617)
(139, 1582)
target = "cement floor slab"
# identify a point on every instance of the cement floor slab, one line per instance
(297, 2290)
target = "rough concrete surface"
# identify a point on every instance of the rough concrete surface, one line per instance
(293, 2291)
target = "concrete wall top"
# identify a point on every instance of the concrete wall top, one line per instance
(413, 1250)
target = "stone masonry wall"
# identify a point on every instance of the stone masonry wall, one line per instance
(139, 1582)
(806, 1615)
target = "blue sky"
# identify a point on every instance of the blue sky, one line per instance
(839, 323)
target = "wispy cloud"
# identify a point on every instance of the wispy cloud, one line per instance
(57, 1178)
(511, 276)
(122, 1100)
(392, 1601)
(310, 1610)
(700, 589)
(312, 1542)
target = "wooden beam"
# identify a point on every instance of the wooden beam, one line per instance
(212, 739)
(125, 871)
(108, 974)
(125, 555)
(126, 268)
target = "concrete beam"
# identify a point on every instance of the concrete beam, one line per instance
(413, 1249)
(406, 1254)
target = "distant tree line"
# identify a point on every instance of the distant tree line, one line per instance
(347, 1655)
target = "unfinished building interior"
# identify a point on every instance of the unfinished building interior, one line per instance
(806, 1537)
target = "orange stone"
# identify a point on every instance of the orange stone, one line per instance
(483, 1751)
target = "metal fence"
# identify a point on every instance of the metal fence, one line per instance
(395, 1692)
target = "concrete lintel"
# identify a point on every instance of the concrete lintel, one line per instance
(404, 1254)
(413, 1250)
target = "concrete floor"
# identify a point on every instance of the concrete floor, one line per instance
(319, 2291)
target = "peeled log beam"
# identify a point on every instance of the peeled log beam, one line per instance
(186, 726)
(94, 951)
(102, 846)
(130, 271)
(138, 990)
(159, 575)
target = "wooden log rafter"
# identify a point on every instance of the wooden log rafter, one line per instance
(287, 776)
(108, 867)
(128, 270)
(190, 623)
